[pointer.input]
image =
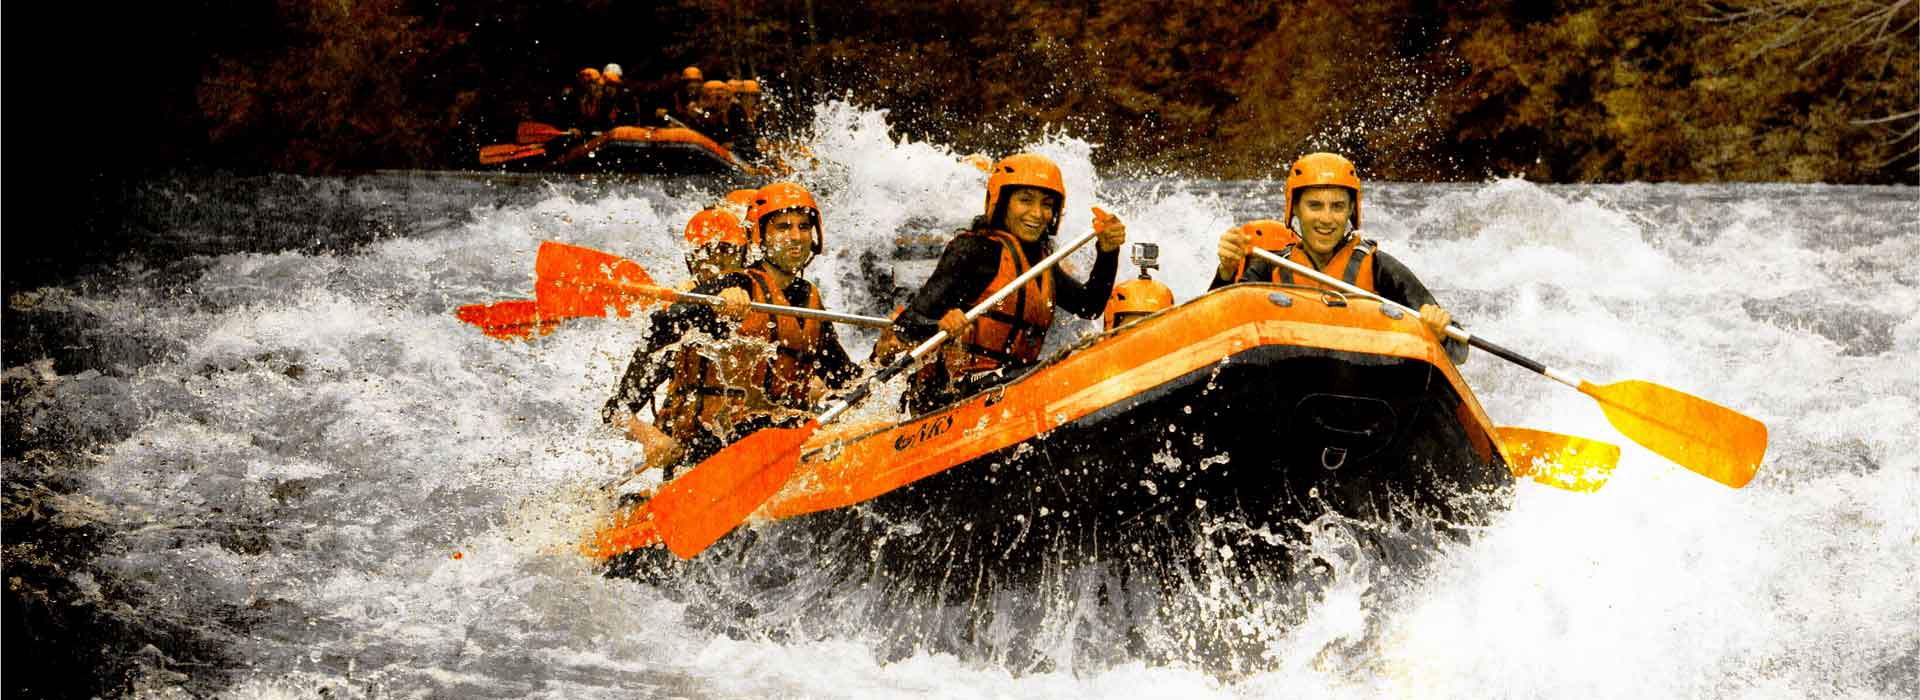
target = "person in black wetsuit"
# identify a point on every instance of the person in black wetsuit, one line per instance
(1025, 196)
(729, 380)
(1323, 207)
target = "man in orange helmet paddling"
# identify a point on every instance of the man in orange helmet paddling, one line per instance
(735, 370)
(1323, 196)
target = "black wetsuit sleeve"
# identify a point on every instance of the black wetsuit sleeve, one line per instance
(966, 267)
(1088, 299)
(677, 320)
(1392, 279)
(652, 363)
(1219, 282)
(635, 391)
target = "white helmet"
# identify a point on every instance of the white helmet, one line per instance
(612, 69)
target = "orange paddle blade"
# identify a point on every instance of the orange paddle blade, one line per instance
(1708, 438)
(536, 132)
(1557, 460)
(506, 320)
(632, 529)
(501, 153)
(697, 509)
(573, 282)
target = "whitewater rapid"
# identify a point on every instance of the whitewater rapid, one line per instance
(315, 477)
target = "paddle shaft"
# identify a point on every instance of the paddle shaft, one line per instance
(901, 363)
(800, 311)
(1454, 332)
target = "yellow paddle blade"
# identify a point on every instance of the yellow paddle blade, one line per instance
(1561, 461)
(1712, 440)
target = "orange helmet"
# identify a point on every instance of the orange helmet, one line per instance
(750, 86)
(1135, 298)
(711, 226)
(776, 198)
(590, 75)
(716, 85)
(733, 86)
(737, 202)
(1023, 170)
(1323, 169)
(1268, 234)
(691, 73)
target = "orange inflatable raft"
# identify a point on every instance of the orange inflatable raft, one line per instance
(1259, 406)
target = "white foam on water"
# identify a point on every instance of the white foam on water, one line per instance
(320, 437)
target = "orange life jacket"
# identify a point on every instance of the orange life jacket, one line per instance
(765, 366)
(1353, 264)
(1013, 330)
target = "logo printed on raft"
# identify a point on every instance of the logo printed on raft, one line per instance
(928, 430)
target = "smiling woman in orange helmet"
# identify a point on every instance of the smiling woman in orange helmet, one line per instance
(749, 370)
(1323, 198)
(1025, 199)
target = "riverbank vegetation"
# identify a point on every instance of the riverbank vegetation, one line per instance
(1595, 91)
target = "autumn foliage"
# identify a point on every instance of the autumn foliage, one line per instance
(1601, 90)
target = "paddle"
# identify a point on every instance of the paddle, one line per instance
(647, 290)
(1561, 461)
(572, 281)
(536, 132)
(504, 152)
(506, 320)
(695, 510)
(1711, 440)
